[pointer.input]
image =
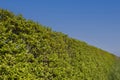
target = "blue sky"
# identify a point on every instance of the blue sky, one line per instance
(96, 22)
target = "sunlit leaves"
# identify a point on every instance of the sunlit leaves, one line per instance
(30, 51)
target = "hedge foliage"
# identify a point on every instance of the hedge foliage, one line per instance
(31, 51)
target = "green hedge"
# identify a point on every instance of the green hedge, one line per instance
(30, 51)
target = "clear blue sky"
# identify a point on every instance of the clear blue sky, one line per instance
(96, 22)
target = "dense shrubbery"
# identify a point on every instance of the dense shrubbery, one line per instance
(29, 51)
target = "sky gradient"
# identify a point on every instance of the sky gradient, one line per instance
(96, 22)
